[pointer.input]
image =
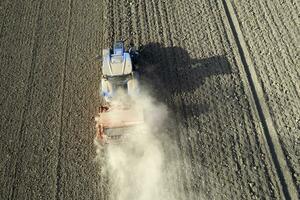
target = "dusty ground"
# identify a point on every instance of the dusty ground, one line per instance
(228, 71)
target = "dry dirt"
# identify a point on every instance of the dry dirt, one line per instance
(227, 72)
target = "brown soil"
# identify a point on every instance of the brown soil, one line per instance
(227, 71)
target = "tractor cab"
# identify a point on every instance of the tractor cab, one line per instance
(118, 72)
(118, 48)
(118, 53)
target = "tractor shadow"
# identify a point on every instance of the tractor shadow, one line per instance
(188, 87)
(170, 71)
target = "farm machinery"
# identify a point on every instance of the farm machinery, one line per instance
(119, 87)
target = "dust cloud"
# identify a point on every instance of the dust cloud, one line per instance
(140, 168)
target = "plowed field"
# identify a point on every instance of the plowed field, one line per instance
(227, 72)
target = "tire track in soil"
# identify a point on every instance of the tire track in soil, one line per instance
(34, 177)
(221, 42)
(62, 93)
(276, 69)
(4, 8)
(236, 153)
(80, 178)
(221, 153)
(18, 41)
(206, 100)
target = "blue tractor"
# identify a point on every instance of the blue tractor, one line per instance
(119, 71)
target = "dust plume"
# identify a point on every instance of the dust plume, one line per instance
(139, 168)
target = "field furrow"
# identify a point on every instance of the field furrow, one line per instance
(17, 60)
(198, 58)
(79, 175)
(271, 31)
(193, 66)
(37, 153)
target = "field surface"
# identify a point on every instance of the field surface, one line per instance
(227, 71)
